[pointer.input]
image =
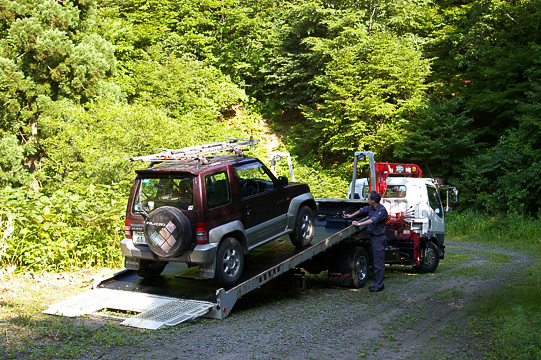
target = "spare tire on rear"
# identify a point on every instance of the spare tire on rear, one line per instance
(167, 231)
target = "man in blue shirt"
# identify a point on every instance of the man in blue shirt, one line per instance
(376, 229)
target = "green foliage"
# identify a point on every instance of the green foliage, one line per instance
(511, 230)
(505, 176)
(182, 87)
(45, 55)
(72, 227)
(370, 87)
(12, 84)
(438, 139)
(491, 46)
(453, 86)
(11, 157)
(89, 145)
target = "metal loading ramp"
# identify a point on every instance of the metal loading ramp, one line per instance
(153, 311)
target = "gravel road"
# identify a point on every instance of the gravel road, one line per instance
(416, 316)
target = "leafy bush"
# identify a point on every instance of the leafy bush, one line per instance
(69, 228)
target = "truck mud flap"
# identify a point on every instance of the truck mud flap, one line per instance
(152, 311)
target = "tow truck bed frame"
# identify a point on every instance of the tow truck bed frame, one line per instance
(156, 305)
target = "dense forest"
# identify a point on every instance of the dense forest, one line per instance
(452, 85)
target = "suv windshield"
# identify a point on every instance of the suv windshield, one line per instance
(153, 193)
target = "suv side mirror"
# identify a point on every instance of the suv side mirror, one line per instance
(282, 180)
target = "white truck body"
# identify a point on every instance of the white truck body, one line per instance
(418, 197)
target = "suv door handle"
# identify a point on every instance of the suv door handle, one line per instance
(248, 209)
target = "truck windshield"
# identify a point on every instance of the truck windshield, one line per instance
(153, 193)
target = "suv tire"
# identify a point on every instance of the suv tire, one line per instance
(229, 261)
(149, 269)
(303, 233)
(167, 231)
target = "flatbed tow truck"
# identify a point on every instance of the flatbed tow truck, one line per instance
(180, 294)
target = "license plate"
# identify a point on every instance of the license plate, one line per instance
(139, 237)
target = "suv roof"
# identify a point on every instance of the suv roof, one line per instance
(193, 166)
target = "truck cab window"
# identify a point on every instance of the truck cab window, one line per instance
(434, 200)
(395, 191)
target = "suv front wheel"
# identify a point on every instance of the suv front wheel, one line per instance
(229, 261)
(303, 233)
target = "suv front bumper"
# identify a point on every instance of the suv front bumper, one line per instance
(201, 254)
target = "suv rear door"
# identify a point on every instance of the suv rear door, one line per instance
(218, 199)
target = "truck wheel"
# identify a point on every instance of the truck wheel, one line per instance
(229, 261)
(149, 269)
(359, 268)
(303, 233)
(167, 231)
(430, 258)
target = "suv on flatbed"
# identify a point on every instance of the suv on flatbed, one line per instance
(210, 212)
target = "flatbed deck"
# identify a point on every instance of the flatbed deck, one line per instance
(180, 286)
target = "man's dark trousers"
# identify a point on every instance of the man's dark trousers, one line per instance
(377, 245)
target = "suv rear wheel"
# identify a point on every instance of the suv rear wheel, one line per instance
(150, 269)
(303, 233)
(229, 261)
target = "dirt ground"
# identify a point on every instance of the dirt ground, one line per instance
(417, 316)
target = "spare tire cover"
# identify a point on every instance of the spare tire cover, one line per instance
(167, 231)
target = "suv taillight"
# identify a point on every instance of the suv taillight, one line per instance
(127, 228)
(201, 233)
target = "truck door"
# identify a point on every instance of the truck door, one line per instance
(435, 215)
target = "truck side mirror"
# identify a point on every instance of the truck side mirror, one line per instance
(282, 181)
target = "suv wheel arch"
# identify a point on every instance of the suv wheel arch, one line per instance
(296, 204)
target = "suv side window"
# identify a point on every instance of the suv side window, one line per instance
(217, 189)
(253, 179)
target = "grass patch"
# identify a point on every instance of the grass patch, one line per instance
(26, 333)
(512, 231)
(512, 315)
(448, 293)
(515, 311)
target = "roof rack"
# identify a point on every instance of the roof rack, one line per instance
(238, 146)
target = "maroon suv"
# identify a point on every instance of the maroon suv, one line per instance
(211, 213)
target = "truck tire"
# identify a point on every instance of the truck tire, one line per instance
(349, 266)
(430, 258)
(229, 261)
(167, 231)
(303, 233)
(149, 269)
(359, 268)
